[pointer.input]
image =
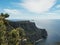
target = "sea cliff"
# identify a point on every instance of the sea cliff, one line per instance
(19, 32)
(31, 30)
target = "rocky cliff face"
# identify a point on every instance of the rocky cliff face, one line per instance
(31, 30)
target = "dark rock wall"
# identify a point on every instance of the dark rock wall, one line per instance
(31, 30)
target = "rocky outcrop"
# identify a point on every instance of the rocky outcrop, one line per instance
(31, 30)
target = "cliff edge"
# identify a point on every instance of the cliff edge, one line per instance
(19, 32)
(31, 30)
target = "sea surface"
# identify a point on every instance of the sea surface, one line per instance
(53, 29)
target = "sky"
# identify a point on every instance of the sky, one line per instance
(31, 9)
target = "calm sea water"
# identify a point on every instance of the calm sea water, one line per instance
(53, 29)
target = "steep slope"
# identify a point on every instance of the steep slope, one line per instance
(31, 30)
(10, 35)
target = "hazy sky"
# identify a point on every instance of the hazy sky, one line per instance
(31, 9)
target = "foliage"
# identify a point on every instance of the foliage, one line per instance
(2, 33)
(4, 15)
(13, 37)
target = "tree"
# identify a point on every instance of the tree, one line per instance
(21, 35)
(4, 15)
(2, 33)
(13, 37)
(21, 31)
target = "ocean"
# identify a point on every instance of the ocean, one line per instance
(53, 29)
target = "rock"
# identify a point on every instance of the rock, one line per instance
(31, 30)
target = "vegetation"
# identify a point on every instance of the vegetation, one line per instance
(5, 15)
(11, 36)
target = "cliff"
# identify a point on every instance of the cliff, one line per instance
(19, 32)
(30, 29)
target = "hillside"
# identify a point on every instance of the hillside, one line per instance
(19, 32)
